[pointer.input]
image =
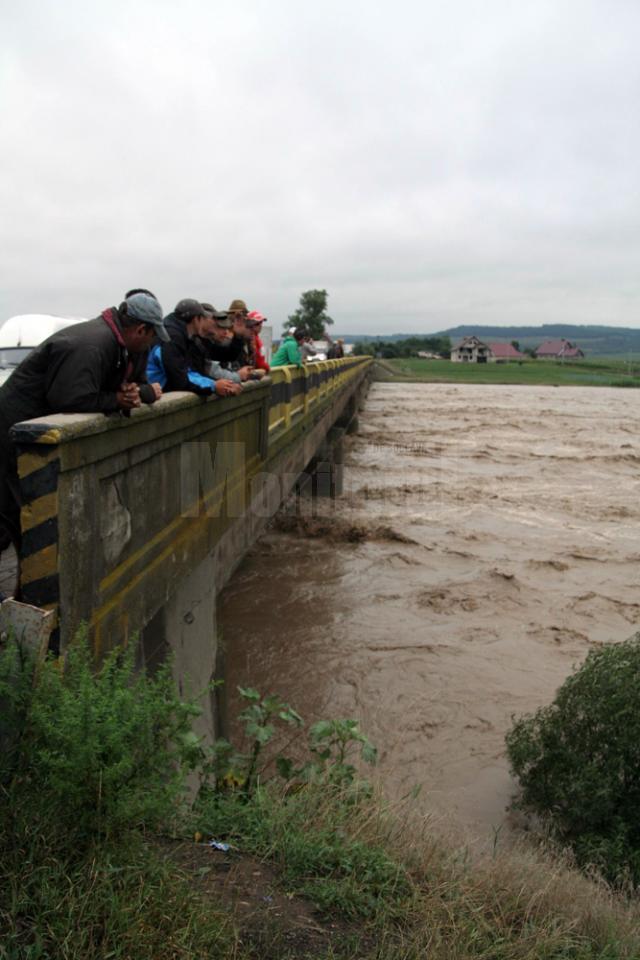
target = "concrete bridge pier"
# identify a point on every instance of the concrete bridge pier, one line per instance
(349, 419)
(327, 467)
(185, 629)
(322, 477)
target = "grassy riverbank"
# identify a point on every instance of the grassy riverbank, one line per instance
(383, 885)
(601, 372)
(312, 876)
(102, 857)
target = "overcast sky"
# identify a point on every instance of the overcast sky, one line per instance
(428, 163)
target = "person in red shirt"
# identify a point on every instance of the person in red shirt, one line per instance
(256, 319)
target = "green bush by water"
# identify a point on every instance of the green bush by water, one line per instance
(578, 761)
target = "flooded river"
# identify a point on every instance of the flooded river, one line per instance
(487, 537)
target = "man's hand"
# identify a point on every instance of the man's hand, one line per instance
(227, 388)
(245, 373)
(157, 389)
(128, 396)
(258, 374)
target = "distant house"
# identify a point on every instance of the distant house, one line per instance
(504, 351)
(558, 350)
(425, 355)
(470, 350)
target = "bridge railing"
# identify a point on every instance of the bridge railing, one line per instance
(298, 392)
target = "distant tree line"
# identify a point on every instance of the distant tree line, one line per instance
(409, 347)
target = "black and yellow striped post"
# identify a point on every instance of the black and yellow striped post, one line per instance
(38, 472)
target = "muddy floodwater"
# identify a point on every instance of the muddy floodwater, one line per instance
(486, 539)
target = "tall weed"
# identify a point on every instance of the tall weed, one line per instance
(92, 752)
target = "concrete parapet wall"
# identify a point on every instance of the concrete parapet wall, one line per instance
(120, 514)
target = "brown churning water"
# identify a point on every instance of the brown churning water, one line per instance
(488, 536)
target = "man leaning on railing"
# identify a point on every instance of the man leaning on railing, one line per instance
(181, 363)
(96, 366)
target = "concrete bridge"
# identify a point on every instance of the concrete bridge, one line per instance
(132, 525)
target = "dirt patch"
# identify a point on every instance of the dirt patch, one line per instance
(272, 922)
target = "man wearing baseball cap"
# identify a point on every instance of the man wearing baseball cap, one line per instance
(221, 347)
(245, 329)
(183, 359)
(96, 366)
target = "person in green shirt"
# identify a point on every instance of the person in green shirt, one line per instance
(288, 353)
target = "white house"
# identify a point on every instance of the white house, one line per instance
(470, 350)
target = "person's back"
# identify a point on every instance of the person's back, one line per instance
(289, 351)
(68, 372)
(86, 368)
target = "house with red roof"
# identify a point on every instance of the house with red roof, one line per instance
(500, 352)
(558, 350)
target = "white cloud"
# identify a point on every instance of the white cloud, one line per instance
(427, 164)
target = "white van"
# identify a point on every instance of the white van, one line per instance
(19, 335)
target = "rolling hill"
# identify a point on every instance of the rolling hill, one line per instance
(593, 340)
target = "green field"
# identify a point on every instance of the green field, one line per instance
(583, 373)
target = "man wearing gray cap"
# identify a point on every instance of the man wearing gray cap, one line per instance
(97, 366)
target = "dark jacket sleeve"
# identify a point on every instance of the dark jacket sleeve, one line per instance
(176, 366)
(147, 393)
(235, 349)
(75, 378)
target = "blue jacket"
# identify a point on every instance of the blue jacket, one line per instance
(157, 374)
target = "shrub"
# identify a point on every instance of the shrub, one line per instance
(578, 761)
(90, 756)
(91, 752)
